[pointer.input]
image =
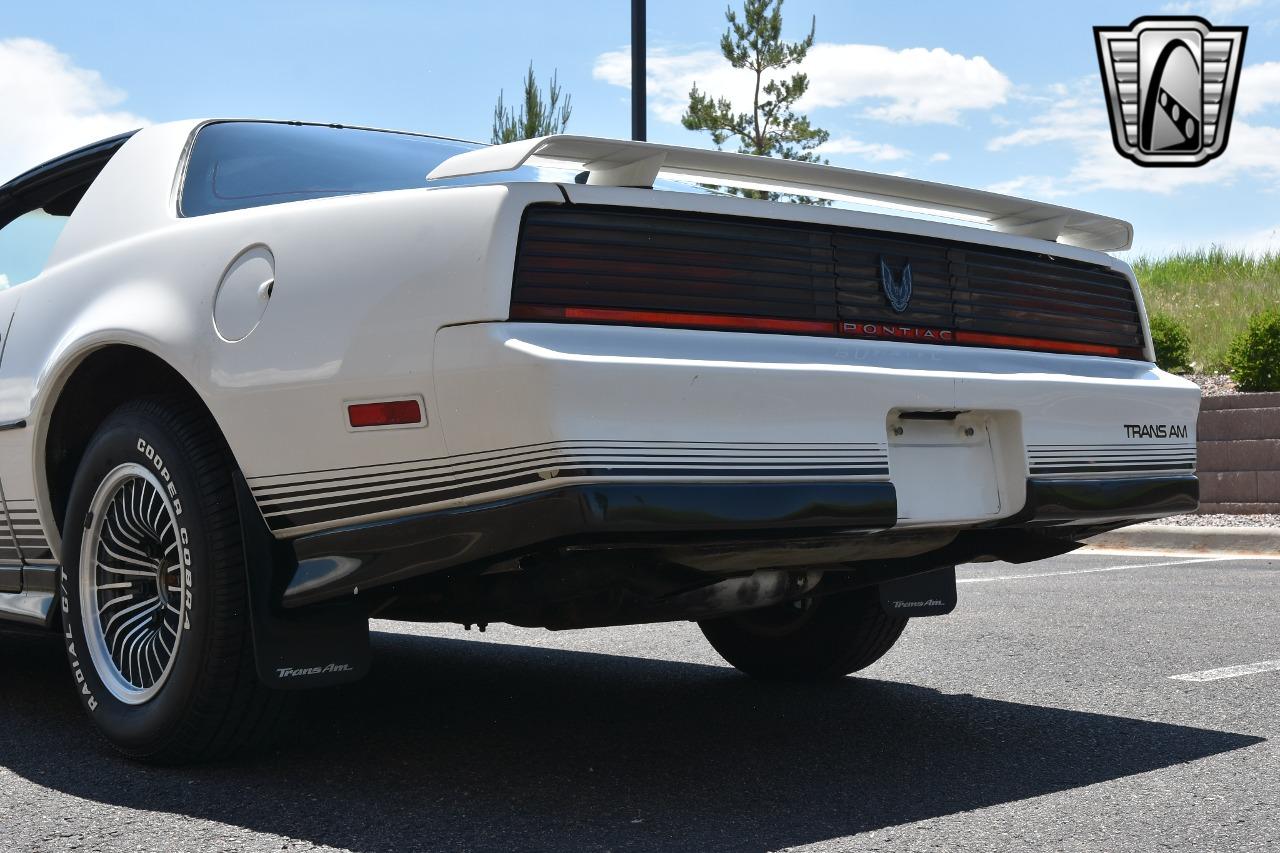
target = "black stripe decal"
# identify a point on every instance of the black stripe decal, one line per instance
(318, 516)
(1091, 446)
(1153, 454)
(1120, 460)
(513, 460)
(270, 505)
(732, 467)
(578, 446)
(321, 514)
(1103, 469)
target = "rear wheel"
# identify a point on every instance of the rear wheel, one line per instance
(154, 599)
(812, 639)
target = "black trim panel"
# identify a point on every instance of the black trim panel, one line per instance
(10, 576)
(332, 563)
(1110, 467)
(1090, 501)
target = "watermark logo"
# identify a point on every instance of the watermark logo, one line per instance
(1171, 85)
(897, 291)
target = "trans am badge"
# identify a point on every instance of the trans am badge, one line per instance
(897, 292)
(1170, 84)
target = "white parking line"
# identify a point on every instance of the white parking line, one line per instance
(1229, 671)
(1092, 571)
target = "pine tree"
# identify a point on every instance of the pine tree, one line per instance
(537, 117)
(772, 128)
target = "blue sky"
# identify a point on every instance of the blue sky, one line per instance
(998, 95)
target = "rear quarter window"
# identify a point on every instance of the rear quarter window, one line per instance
(235, 165)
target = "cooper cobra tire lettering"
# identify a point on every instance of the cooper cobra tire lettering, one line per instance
(157, 462)
(167, 669)
(162, 471)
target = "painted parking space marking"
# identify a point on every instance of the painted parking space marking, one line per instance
(1230, 671)
(1091, 551)
(1092, 571)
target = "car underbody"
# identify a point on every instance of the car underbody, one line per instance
(591, 556)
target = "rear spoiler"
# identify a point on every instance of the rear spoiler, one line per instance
(618, 163)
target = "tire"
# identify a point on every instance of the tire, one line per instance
(161, 652)
(813, 639)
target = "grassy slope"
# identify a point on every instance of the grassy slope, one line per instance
(1213, 292)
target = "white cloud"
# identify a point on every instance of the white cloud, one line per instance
(1080, 121)
(939, 157)
(878, 151)
(1259, 88)
(917, 85)
(4, 281)
(672, 75)
(51, 105)
(1212, 8)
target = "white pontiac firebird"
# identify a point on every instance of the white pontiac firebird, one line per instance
(261, 381)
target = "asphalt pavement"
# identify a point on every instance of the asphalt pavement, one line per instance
(1091, 702)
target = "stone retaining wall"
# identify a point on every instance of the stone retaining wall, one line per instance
(1239, 453)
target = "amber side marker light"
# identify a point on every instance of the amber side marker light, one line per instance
(390, 413)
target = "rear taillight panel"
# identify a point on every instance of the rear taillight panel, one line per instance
(691, 270)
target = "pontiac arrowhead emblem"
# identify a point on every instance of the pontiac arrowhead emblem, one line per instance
(898, 292)
(1171, 85)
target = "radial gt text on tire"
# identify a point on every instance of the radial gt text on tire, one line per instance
(153, 590)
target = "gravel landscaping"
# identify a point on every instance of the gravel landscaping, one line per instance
(1215, 520)
(1214, 384)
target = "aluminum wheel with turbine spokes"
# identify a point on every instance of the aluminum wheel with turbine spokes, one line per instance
(133, 579)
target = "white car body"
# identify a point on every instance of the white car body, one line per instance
(406, 295)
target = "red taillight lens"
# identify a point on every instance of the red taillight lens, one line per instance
(392, 413)
(1018, 342)
(676, 319)
(590, 264)
(877, 331)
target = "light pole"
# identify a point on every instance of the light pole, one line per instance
(638, 95)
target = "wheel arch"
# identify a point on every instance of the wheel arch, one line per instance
(82, 393)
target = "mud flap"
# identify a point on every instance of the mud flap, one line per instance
(317, 646)
(927, 594)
